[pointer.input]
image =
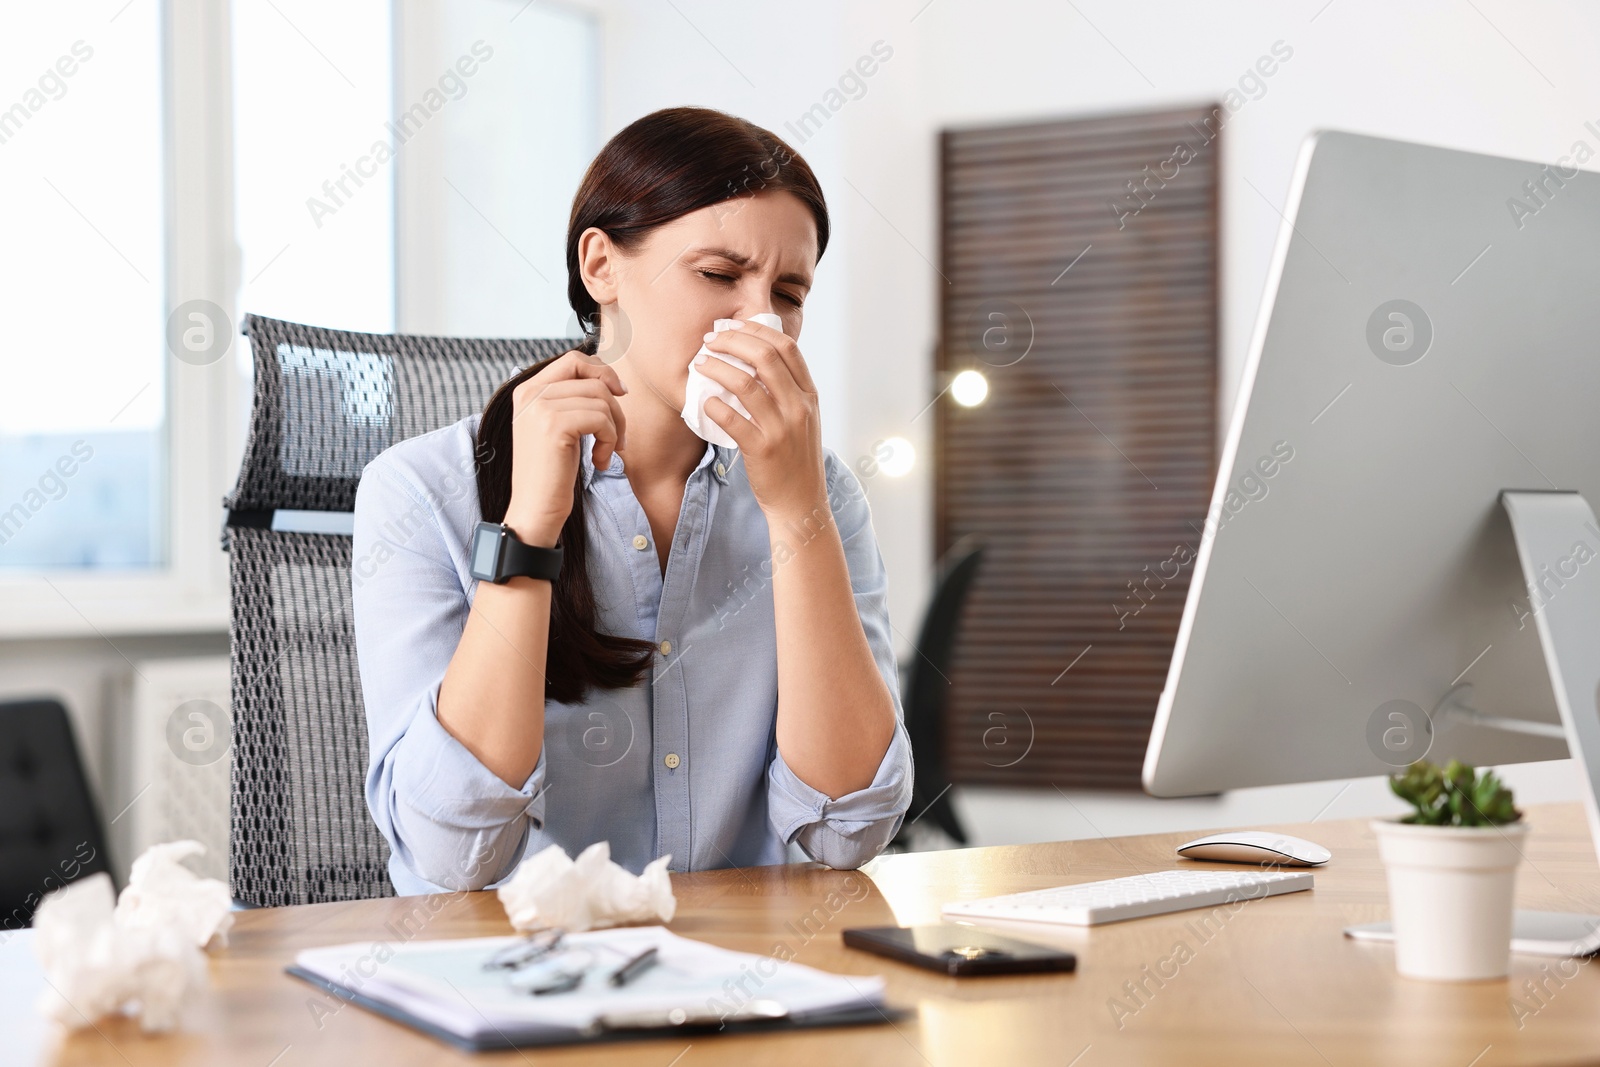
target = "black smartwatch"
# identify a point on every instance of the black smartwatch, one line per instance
(497, 556)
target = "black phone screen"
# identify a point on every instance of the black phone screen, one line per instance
(958, 949)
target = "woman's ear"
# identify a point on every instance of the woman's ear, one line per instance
(598, 261)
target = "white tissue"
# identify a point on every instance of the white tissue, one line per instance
(139, 956)
(700, 388)
(162, 892)
(551, 890)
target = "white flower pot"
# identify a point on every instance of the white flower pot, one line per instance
(1450, 897)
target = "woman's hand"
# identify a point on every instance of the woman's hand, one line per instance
(551, 412)
(781, 442)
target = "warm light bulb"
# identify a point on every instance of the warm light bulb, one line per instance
(895, 456)
(969, 388)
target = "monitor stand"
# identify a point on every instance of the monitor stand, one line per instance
(1547, 525)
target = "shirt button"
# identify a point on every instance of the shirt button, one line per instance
(671, 760)
(721, 469)
(641, 542)
(666, 648)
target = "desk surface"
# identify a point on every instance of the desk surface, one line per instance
(1276, 983)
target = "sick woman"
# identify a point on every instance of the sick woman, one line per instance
(593, 621)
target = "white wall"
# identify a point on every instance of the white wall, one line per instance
(485, 185)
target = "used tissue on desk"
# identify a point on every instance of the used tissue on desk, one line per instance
(700, 388)
(139, 954)
(162, 892)
(549, 889)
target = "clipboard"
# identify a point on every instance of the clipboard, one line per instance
(695, 1025)
(657, 1019)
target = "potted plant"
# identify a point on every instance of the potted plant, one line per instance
(1452, 869)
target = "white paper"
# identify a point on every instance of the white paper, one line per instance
(549, 889)
(138, 955)
(700, 388)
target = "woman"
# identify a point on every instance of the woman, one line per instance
(709, 673)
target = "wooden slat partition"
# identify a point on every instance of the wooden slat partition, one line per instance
(1089, 467)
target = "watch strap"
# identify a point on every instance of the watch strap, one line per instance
(530, 561)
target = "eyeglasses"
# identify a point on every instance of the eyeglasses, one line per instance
(542, 963)
(534, 946)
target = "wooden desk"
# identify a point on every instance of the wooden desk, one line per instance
(1275, 983)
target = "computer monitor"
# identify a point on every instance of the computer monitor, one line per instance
(1429, 340)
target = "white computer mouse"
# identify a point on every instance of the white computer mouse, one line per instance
(1260, 847)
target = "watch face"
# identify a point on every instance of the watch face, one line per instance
(485, 552)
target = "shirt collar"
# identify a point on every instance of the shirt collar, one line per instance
(718, 458)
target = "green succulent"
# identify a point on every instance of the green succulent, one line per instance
(1453, 795)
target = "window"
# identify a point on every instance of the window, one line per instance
(84, 409)
(273, 158)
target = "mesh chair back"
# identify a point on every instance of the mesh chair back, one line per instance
(326, 402)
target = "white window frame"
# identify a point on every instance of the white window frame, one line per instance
(204, 415)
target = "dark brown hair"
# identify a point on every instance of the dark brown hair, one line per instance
(659, 168)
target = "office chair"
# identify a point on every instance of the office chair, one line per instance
(325, 403)
(49, 831)
(925, 690)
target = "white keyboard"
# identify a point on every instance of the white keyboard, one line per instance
(1133, 897)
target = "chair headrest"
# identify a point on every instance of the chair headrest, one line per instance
(327, 401)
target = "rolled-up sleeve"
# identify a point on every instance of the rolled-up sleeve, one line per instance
(847, 831)
(452, 823)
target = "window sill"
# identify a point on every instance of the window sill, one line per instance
(73, 611)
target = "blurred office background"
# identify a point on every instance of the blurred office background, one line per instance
(408, 165)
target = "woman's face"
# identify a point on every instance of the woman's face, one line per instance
(732, 260)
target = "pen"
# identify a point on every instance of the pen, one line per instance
(634, 967)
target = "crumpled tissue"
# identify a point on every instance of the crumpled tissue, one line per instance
(161, 891)
(699, 388)
(138, 955)
(549, 889)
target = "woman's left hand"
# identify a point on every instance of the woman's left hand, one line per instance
(781, 442)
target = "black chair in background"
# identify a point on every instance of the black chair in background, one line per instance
(326, 402)
(925, 689)
(50, 834)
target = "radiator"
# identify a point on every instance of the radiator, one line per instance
(179, 736)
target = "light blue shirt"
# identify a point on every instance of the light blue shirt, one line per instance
(685, 763)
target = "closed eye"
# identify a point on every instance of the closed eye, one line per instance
(725, 278)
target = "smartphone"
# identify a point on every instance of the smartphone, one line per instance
(960, 950)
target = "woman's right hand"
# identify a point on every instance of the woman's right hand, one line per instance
(551, 412)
